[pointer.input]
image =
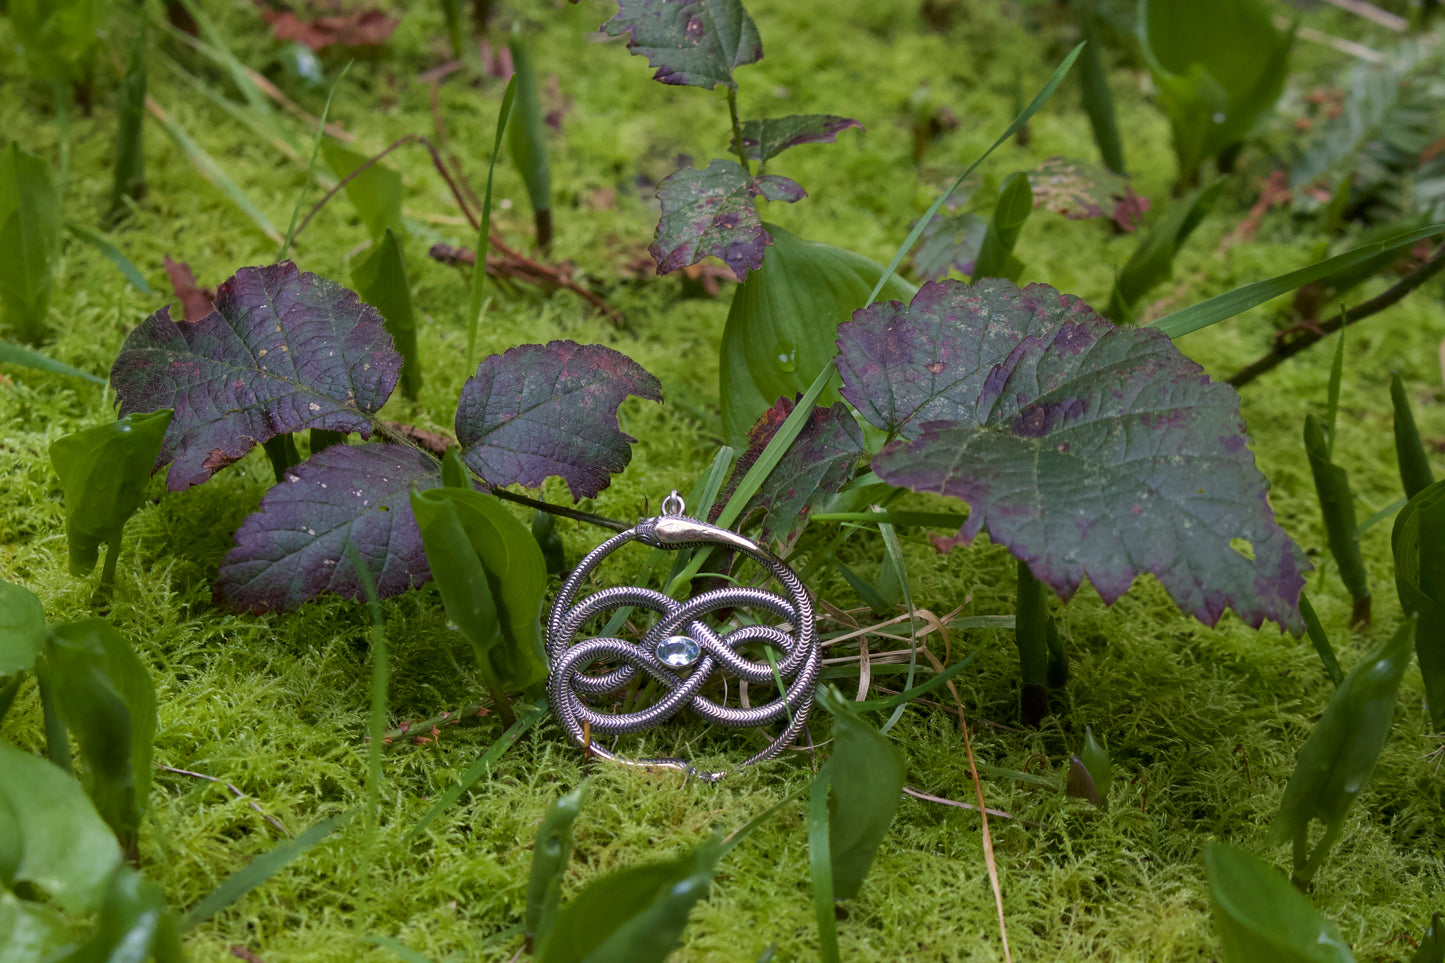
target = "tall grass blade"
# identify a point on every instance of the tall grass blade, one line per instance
(1098, 98)
(25, 357)
(484, 231)
(112, 254)
(529, 141)
(129, 183)
(1415, 472)
(820, 865)
(311, 164)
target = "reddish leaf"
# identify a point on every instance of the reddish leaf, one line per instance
(543, 410)
(820, 461)
(294, 548)
(282, 351)
(195, 300)
(1078, 190)
(360, 28)
(692, 42)
(712, 212)
(764, 139)
(1085, 448)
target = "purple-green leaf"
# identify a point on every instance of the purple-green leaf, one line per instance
(294, 548)
(767, 138)
(696, 43)
(712, 212)
(282, 351)
(1080, 190)
(821, 461)
(543, 410)
(1087, 449)
(950, 241)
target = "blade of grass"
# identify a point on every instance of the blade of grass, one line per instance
(1376, 518)
(1332, 396)
(923, 688)
(112, 254)
(259, 870)
(311, 164)
(376, 717)
(1224, 306)
(1320, 641)
(15, 354)
(525, 720)
(211, 171)
(479, 272)
(953, 520)
(895, 557)
(397, 947)
(820, 866)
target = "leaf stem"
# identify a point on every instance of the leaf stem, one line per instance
(1283, 349)
(601, 521)
(738, 132)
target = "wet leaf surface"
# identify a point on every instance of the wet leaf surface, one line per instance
(1085, 448)
(283, 351)
(293, 549)
(541, 410)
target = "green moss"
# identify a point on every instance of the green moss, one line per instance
(1202, 723)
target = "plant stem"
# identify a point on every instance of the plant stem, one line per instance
(107, 570)
(1284, 349)
(1041, 658)
(601, 521)
(738, 132)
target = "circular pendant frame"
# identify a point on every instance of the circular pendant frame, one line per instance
(664, 655)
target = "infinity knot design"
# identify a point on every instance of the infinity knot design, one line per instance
(681, 651)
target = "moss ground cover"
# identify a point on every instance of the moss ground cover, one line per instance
(1202, 723)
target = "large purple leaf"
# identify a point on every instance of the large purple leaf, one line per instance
(542, 410)
(1087, 449)
(691, 42)
(711, 212)
(282, 351)
(767, 138)
(294, 548)
(821, 460)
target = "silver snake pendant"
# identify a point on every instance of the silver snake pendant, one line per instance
(680, 651)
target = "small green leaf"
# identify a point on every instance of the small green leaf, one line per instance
(32, 930)
(1420, 582)
(1261, 918)
(381, 281)
(549, 540)
(104, 471)
(455, 473)
(1152, 262)
(1336, 761)
(22, 628)
(550, 853)
(867, 785)
(1319, 640)
(995, 255)
(30, 237)
(375, 192)
(636, 915)
(50, 834)
(491, 575)
(1090, 773)
(1415, 473)
(781, 327)
(135, 925)
(105, 697)
(1337, 508)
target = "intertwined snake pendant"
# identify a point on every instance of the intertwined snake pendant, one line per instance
(681, 651)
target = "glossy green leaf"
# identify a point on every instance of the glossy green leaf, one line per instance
(22, 628)
(820, 863)
(1152, 262)
(105, 697)
(1432, 944)
(28, 931)
(1336, 761)
(259, 870)
(636, 915)
(135, 925)
(104, 471)
(867, 783)
(1219, 66)
(1416, 541)
(58, 36)
(455, 473)
(995, 254)
(130, 169)
(1261, 918)
(782, 324)
(1415, 472)
(550, 853)
(1337, 508)
(30, 237)
(1221, 307)
(50, 834)
(375, 192)
(1090, 772)
(381, 281)
(491, 575)
(528, 140)
(549, 540)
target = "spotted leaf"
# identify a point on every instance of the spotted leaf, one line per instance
(695, 43)
(711, 212)
(766, 138)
